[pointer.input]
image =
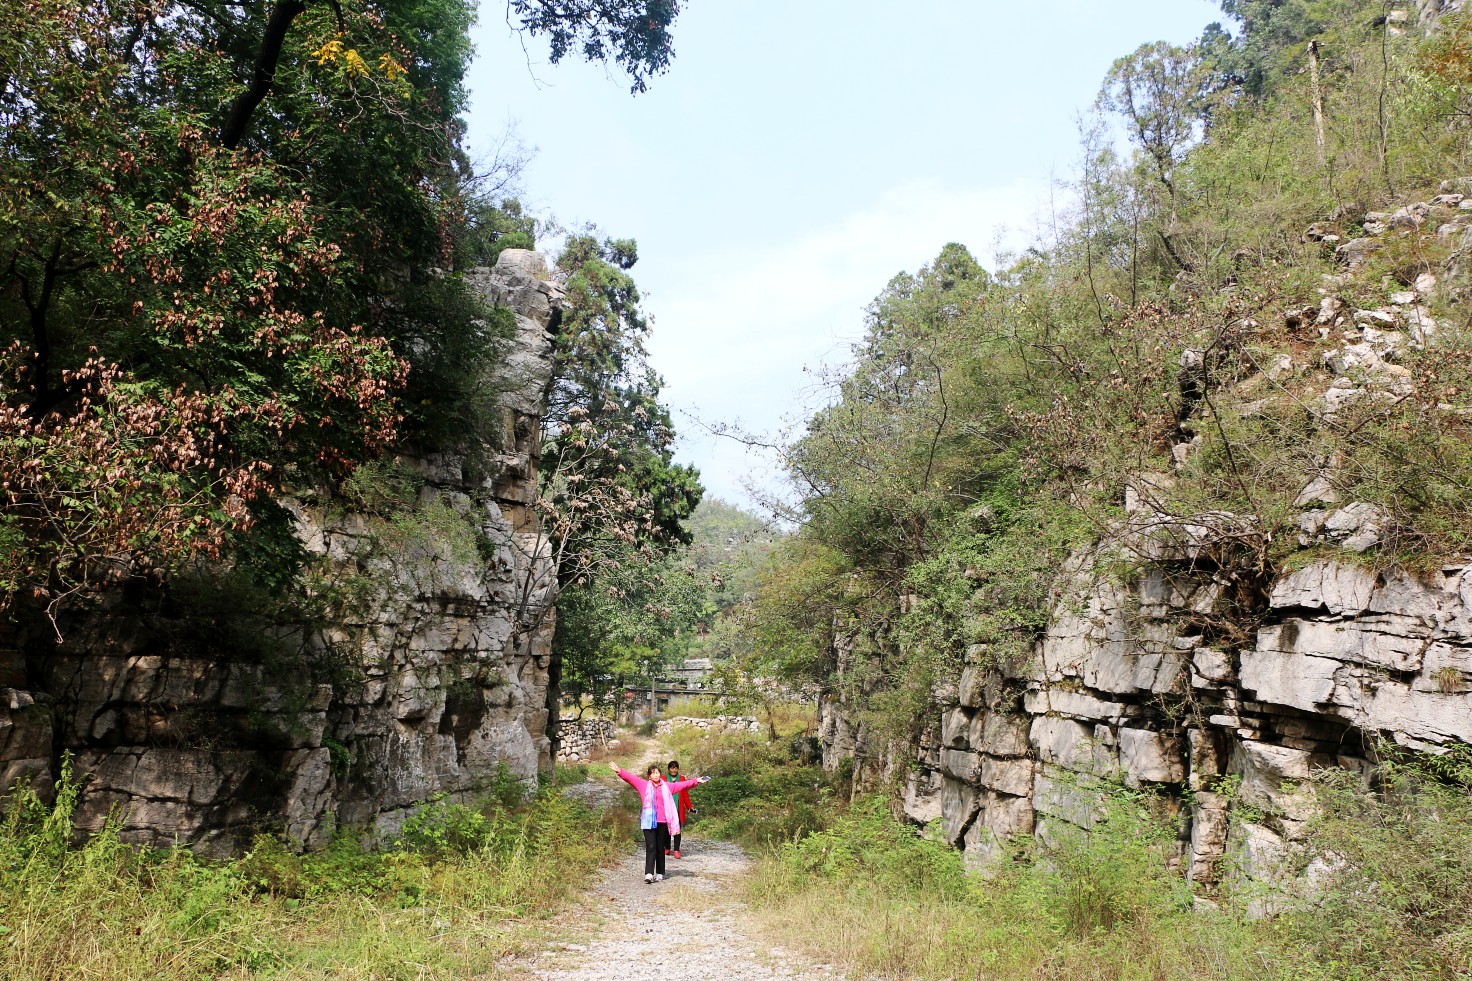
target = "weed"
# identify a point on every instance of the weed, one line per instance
(431, 906)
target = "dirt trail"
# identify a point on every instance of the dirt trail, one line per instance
(691, 927)
(632, 928)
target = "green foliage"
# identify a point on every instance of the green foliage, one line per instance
(626, 625)
(435, 904)
(441, 828)
(993, 424)
(1104, 906)
(1273, 35)
(634, 34)
(868, 845)
(728, 547)
(1398, 902)
(210, 291)
(607, 463)
(762, 794)
(613, 499)
(241, 297)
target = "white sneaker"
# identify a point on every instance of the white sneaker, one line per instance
(659, 878)
(649, 877)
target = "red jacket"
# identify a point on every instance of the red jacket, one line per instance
(683, 799)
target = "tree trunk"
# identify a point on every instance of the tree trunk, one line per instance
(245, 105)
(1317, 94)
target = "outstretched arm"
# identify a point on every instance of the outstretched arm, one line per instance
(626, 776)
(680, 785)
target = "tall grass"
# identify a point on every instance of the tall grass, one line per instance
(881, 899)
(458, 891)
(764, 794)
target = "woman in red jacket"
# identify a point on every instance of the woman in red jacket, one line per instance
(683, 799)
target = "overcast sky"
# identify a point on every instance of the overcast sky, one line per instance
(797, 155)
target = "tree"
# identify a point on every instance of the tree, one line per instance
(873, 468)
(610, 488)
(1158, 91)
(629, 623)
(157, 288)
(612, 501)
(634, 34)
(230, 240)
(727, 550)
(1161, 91)
(1273, 36)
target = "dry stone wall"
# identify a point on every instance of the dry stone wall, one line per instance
(578, 739)
(442, 670)
(718, 724)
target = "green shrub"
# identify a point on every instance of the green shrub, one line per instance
(1397, 901)
(762, 794)
(441, 828)
(869, 845)
(427, 907)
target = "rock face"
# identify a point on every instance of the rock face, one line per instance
(1224, 691)
(1126, 688)
(439, 670)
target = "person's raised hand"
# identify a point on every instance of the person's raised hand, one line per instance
(704, 779)
(613, 766)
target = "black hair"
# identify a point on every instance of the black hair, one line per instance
(674, 764)
(650, 768)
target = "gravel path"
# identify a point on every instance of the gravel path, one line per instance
(629, 925)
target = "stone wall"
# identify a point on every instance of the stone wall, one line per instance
(719, 724)
(578, 739)
(439, 679)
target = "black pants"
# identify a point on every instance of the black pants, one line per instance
(656, 840)
(676, 840)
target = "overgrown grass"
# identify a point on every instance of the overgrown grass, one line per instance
(458, 890)
(764, 793)
(1101, 906)
(785, 718)
(696, 707)
(881, 899)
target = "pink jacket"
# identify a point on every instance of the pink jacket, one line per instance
(658, 802)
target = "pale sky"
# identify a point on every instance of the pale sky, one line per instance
(796, 156)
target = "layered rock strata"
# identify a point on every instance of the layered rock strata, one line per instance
(437, 683)
(1125, 689)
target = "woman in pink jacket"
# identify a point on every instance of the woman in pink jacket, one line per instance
(658, 815)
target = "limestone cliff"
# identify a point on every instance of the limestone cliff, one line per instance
(439, 668)
(1223, 693)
